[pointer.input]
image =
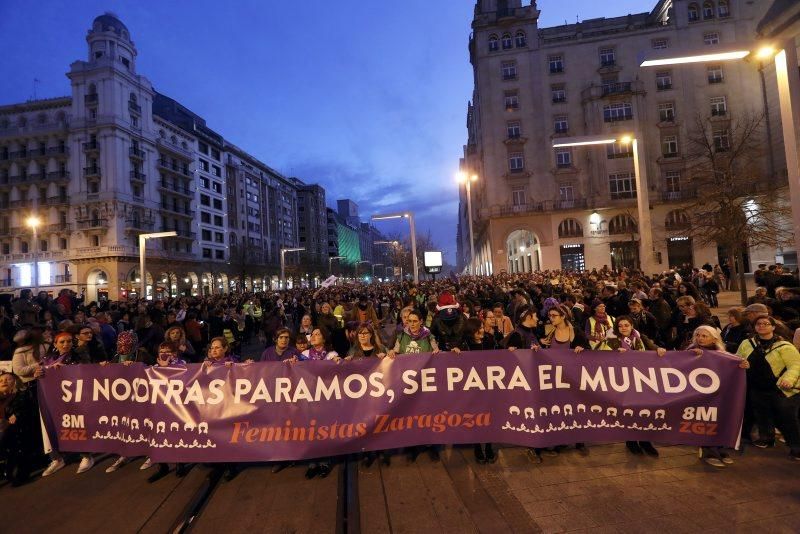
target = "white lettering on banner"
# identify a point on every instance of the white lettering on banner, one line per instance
(672, 380)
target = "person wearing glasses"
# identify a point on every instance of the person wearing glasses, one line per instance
(528, 331)
(773, 385)
(282, 350)
(367, 344)
(87, 348)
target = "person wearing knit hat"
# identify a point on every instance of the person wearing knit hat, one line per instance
(446, 302)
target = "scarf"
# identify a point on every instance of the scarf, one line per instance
(600, 325)
(314, 354)
(422, 334)
(630, 342)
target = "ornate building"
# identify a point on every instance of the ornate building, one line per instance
(536, 206)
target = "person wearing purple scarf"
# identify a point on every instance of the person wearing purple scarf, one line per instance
(626, 338)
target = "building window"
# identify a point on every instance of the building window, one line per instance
(217, 220)
(556, 64)
(694, 13)
(518, 197)
(664, 80)
(622, 185)
(511, 100)
(617, 112)
(622, 224)
(558, 93)
(507, 42)
(202, 147)
(521, 41)
(207, 253)
(216, 171)
(206, 235)
(659, 44)
(719, 106)
(723, 9)
(205, 217)
(516, 162)
(494, 44)
(561, 124)
(563, 158)
(513, 130)
(566, 194)
(217, 187)
(722, 140)
(205, 200)
(509, 70)
(666, 112)
(570, 228)
(672, 181)
(669, 146)
(204, 165)
(607, 57)
(708, 10)
(219, 254)
(711, 38)
(217, 204)
(715, 74)
(204, 182)
(619, 150)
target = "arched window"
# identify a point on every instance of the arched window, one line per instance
(708, 10)
(507, 41)
(570, 228)
(23, 247)
(132, 98)
(92, 89)
(95, 241)
(622, 224)
(723, 9)
(694, 12)
(494, 43)
(676, 220)
(521, 40)
(43, 245)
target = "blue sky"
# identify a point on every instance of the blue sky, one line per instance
(366, 98)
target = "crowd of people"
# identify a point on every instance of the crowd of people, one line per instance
(591, 310)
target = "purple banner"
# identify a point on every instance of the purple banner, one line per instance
(278, 411)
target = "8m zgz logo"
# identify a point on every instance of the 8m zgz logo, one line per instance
(701, 420)
(72, 428)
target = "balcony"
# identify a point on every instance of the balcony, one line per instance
(186, 212)
(616, 88)
(136, 153)
(133, 106)
(58, 175)
(618, 118)
(175, 149)
(37, 152)
(139, 225)
(19, 154)
(89, 172)
(715, 112)
(677, 196)
(175, 188)
(663, 86)
(20, 204)
(62, 278)
(91, 99)
(36, 177)
(92, 224)
(182, 233)
(59, 227)
(138, 176)
(57, 201)
(91, 146)
(58, 150)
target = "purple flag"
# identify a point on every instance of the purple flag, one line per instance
(278, 411)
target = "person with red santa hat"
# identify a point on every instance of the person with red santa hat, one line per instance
(448, 323)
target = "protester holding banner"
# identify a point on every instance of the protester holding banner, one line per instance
(476, 338)
(219, 353)
(773, 385)
(627, 339)
(497, 323)
(598, 325)
(282, 349)
(28, 356)
(177, 336)
(319, 347)
(20, 438)
(691, 314)
(367, 344)
(528, 331)
(414, 338)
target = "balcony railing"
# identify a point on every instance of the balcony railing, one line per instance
(175, 188)
(19, 154)
(675, 196)
(20, 203)
(618, 118)
(57, 201)
(58, 150)
(59, 227)
(616, 88)
(177, 209)
(136, 152)
(138, 176)
(36, 152)
(139, 224)
(181, 233)
(133, 106)
(58, 175)
(91, 171)
(91, 98)
(88, 224)
(91, 146)
(63, 278)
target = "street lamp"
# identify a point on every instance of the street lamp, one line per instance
(142, 247)
(410, 216)
(373, 268)
(394, 244)
(330, 262)
(34, 222)
(646, 256)
(788, 80)
(283, 263)
(467, 180)
(359, 263)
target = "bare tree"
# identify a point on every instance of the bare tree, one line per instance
(736, 205)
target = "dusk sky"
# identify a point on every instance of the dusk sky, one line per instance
(366, 98)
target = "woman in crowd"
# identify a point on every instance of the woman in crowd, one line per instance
(30, 352)
(626, 339)
(319, 347)
(736, 330)
(367, 344)
(497, 324)
(306, 326)
(282, 350)
(88, 348)
(20, 438)
(219, 353)
(707, 338)
(476, 338)
(773, 385)
(528, 331)
(692, 313)
(177, 336)
(598, 325)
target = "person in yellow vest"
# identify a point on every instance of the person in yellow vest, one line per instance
(598, 325)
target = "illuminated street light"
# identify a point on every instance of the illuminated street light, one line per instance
(646, 256)
(410, 216)
(467, 180)
(701, 58)
(330, 262)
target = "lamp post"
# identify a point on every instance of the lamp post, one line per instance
(467, 181)
(34, 222)
(283, 263)
(142, 247)
(410, 216)
(788, 78)
(395, 244)
(646, 256)
(373, 268)
(330, 262)
(359, 263)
